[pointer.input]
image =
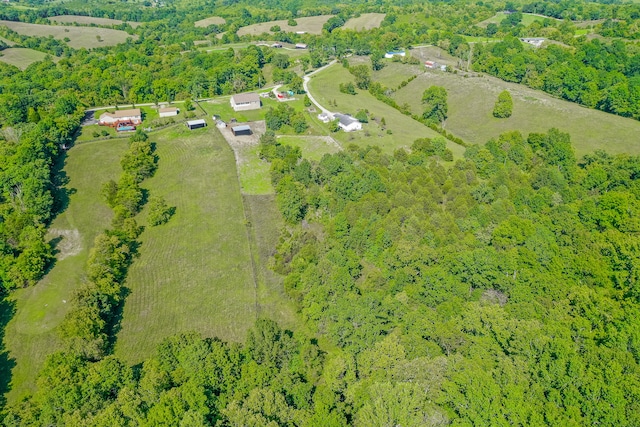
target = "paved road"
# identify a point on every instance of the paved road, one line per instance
(305, 82)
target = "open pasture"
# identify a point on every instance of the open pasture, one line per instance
(366, 21)
(212, 20)
(310, 24)
(79, 37)
(22, 57)
(527, 19)
(471, 102)
(399, 130)
(194, 273)
(88, 20)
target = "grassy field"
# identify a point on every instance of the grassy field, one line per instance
(213, 20)
(88, 37)
(193, 273)
(22, 58)
(471, 103)
(31, 334)
(527, 19)
(88, 20)
(400, 130)
(311, 25)
(312, 147)
(7, 42)
(366, 21)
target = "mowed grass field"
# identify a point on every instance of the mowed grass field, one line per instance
(88, 20)
(195, 272)
(366, 21)
(31, 335)
(527, 19)
(22, 57)
(400, 130)
(310, 24)
(471, 102)
(213, 20)
(87, 37)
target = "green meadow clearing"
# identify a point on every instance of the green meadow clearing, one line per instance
(527, 19)
(205, 270)
(310, 24)
(88, 20)
(212, 20)
(471, 102)
(79, 37)
(31, 334)
(193, 273)
(400, 130)
(366, 21)
(22, 57)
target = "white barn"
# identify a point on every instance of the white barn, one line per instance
(168, 111)
(245, 101)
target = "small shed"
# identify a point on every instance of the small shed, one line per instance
(393, 53)
(196, 124)
(301, 46)
(220, 124)
(168, 111)
(241, 130)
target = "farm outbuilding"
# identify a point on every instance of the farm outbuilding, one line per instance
(245, 101)
(241, 130)
(168, 111)
(134, 116)
(393, 53)
(196, 124)
(301, 46)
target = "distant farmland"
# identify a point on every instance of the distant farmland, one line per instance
(527, 19)
(22, 58)
(88, 20)
(366, 21)
(311, 25)
(213, 20)
(87, 37)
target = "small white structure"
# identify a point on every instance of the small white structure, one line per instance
(301, 46)
(276, 45)
(533, 41)
(245, 101)
(393, 53)
(324, 117)
(112, 119)
(220, 124)
(168, 111)
(348, 123)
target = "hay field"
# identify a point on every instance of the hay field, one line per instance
(366, 21)
(213, 20)
(311, 25)
(471, 102)
(527, 19)
(195, 272)
(87, 37)
(88, 20)
(22, 57)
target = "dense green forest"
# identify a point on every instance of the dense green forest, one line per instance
(501, 288)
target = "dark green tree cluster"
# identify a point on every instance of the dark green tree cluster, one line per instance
(285, 115)
(268, 381)
(503, 107)
(435, 104)
(28, 154)
(459, 291)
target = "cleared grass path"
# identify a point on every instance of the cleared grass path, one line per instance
(194, 273)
